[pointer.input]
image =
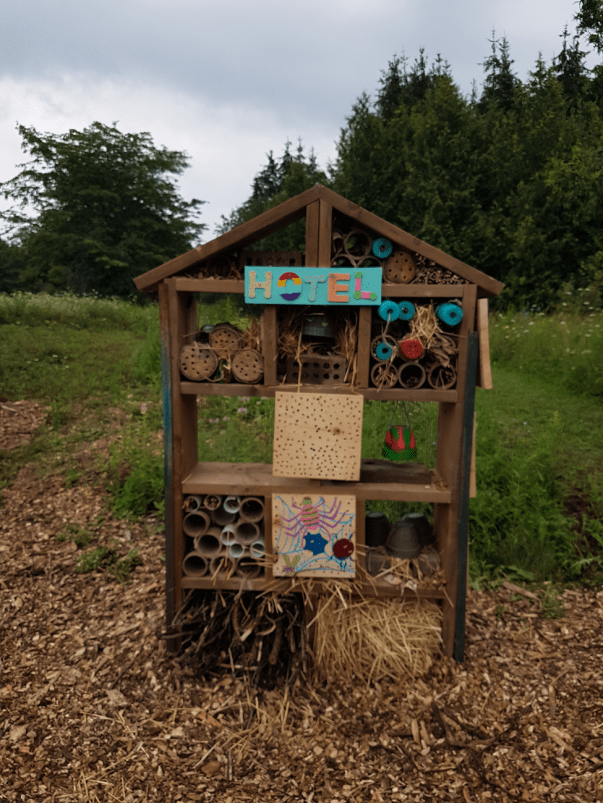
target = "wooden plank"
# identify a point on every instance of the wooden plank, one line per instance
(239, 237)
(181, 314)
(256, 479)
(325, 218)
(312, 232)
(269, 345)
(472, 477)
(422, 290)
(268, 542)
(168, 464)
(364, 347)
(463, 516)
(184, 285)
(484, 372)
(489, 285)
(231, 389)
(448, 464)
(359, 537)
(282, 586)
(400, 394)
(262, 391)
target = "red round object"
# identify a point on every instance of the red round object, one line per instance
(411, 348)
(343, 548)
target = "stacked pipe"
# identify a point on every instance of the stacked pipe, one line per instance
(224, 535)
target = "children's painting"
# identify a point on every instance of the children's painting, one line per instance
(314, 536)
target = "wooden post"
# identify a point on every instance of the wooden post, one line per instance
(448, 462)
(180, 437)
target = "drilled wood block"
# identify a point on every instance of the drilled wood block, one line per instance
(317, 435)
(314, 536)
(317, 369)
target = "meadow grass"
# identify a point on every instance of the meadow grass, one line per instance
(539, 510)
(565, 349)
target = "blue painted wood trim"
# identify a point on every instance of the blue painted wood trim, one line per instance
(463, 549)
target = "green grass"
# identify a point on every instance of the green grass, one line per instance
(538, 515)
(565, 349)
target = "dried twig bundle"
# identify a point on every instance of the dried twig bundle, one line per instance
(251, 337)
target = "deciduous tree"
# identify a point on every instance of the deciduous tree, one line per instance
(94, 208)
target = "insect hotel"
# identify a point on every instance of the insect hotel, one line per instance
(365, 313)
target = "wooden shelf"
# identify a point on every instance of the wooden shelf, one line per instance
(369, 589)
(267, 392)
(422, 290)
(186, 285)
(256, 479)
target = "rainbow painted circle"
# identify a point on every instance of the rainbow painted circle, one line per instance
(282, 284)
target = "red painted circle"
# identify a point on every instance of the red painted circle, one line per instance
(411, 348)
(343, 548)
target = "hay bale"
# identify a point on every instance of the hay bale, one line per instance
(370, 639)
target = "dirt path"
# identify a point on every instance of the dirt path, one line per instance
(93, 709)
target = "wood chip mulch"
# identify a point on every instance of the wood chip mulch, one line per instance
(93, 708)
(18, 420)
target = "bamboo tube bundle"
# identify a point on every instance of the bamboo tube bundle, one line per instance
(257, 549)
(195, 564)
(357, 244)
(221, 266)
(412, 375)
(236, 550)
(252, 509)
(441, 377)
(196, 523)
(337, 239)
(246, 532)
(247, 569)
(429, 272)
(209, 544)
(384, 375)
(232, 504)
(227, 536)
(192, 503)
(222, 566)
(212, 501)
(222, 517)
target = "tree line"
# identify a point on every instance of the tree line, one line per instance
(507, 179)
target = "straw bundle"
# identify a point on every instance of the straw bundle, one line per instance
(372, 639)
(424, 325)
(252, 336)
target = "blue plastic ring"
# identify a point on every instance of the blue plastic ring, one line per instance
(382, 248)
(389, 310)
(406, 310)
(383, 351)
(450, 314)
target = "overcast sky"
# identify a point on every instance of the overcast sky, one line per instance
(229, 80)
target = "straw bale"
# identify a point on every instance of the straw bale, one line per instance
(368, 640)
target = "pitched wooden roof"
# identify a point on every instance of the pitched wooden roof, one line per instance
(294, 209)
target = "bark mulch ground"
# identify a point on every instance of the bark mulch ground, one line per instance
(93, 708)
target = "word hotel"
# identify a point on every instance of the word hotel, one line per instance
(317, 286)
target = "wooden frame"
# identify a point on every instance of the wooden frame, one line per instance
(450, 484)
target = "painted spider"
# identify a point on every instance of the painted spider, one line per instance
(318, 529)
